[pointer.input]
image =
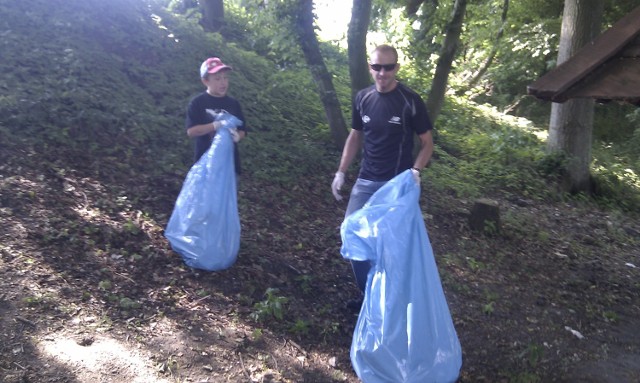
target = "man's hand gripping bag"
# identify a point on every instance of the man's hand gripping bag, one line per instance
(204, 227)
(404, 333)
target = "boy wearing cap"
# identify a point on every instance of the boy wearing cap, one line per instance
(200, 123)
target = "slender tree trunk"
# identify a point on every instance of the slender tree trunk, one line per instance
(427, 19)
(571, 123)
(212, 15)
(412, 6)
(494, 49)
(357, 45)
(186, 5)
(443, 67)
(311, 48)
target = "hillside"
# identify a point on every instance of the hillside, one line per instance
(93, 155)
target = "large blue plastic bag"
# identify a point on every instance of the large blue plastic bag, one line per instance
(404, 331)
(204, 227)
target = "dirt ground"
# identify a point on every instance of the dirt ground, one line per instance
(91, 292)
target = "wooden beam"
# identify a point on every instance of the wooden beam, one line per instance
(618, 79)
(553, 85)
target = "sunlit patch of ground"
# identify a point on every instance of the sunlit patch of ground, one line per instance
(100, 359)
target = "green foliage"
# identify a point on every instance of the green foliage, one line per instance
(525, 377)
(168, 367)
(305, 283)
(474, 264)
(535, 353)
(610, 316)
(32, 301)
(614, 10)
(480, 151)
(488, 308)
(504, 154)
(300, 328)
(126, 303)
(131, 228)
(330, 328)
(253, 23)
(531, 53)
(94, 90)
(74, 98)
(124, 99)
(447, 173)
(273, 306)
(105, 285)
(617, 186)
(615, 122)
(257, 334)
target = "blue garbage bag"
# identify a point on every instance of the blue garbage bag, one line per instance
(404, 332)
(204, 227)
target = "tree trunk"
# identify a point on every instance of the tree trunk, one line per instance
(447, 53)
(411, 7)
(185, 6)
(571, 123)
(357, 45)
(212, 15)
(311, 48)
(494, 49)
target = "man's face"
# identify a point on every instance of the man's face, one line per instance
(217, 83)
(385, 77)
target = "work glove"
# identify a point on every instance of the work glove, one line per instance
(336, 185)
(224, 119)
(416, 175)
(234, 134)
(216, 117)
(228, 120)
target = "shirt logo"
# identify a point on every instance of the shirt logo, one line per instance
(366, 119)
(395, 120)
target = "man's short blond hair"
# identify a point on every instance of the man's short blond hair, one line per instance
(386, 48)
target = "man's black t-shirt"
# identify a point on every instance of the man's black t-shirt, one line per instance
(389, 121)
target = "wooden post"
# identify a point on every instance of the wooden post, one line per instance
(485, 216)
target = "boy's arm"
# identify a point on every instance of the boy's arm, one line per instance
(202, 129)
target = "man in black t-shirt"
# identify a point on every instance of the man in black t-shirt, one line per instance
(200, 122)
(386, 116)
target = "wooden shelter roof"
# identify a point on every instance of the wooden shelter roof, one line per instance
(606, 69)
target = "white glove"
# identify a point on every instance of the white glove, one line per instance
(234, 134)
(215, 116)
(416, 175)
(336, 185)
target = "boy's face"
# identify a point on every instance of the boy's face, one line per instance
(217, 83)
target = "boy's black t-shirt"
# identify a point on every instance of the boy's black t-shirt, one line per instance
(197, 115)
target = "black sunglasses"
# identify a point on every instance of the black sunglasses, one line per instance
(387, 67)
